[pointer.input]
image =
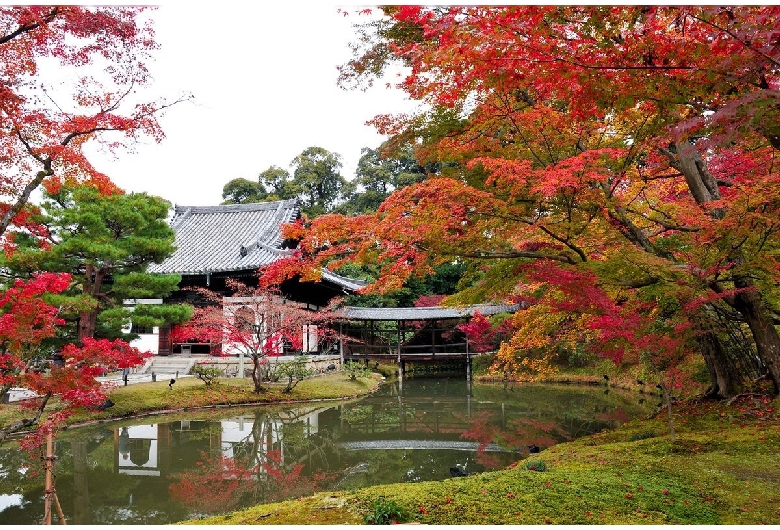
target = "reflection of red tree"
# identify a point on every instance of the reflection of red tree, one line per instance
(215, 485)
(481, 430)
(222, 484)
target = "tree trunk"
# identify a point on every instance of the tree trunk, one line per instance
(257, 375)
(724, 382)
(747, 301)
(749, 305)
(88, 319)
(87, 324)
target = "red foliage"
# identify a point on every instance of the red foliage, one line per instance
(479, 332)
(49, 117)
(27, 321)
(255, 322)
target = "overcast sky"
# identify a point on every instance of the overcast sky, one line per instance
(263, 77)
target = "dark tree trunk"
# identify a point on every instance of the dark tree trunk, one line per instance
(87, 323)
(749, 305)
(704, 189)
(257, 374)
(724, 380)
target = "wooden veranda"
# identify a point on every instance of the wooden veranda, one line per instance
(409, 334)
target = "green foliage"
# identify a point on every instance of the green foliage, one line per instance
(355, 370)
(242, 191)
(207, 374)
(317, 180)
(276, 181)
(377, 175)
(480, 364)
(107, 242)
(444, 281)
(293, 371)
(385, 512)
(535, 465)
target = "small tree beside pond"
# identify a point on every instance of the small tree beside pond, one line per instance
(207, 374)
(256, 323)
(294, 371)
(355, 370)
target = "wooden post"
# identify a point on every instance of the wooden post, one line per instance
(50, 494)
(341, 342)
(468, 361)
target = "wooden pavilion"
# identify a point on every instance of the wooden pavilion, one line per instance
(410, 334)
(217, 243)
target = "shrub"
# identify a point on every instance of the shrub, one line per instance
(480, 364)
(207, 374)
(294, 371)
(385, 512)
(355, 370)
(535, 465)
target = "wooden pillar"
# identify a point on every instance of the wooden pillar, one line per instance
(433, 338)
(398, 327)
(468, 361)
(341, 342)
(50, 494)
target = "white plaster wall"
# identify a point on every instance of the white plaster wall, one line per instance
(148, 342)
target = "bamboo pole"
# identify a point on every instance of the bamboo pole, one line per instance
(50, 492)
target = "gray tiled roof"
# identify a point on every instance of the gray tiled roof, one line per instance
(422, 313)
(343, 281)
(210, 238)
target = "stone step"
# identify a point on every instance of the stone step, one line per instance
(182, 365)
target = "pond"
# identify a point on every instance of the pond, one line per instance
(164, 469)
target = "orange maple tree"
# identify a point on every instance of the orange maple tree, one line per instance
(626, 149)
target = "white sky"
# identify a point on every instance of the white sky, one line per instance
(263, 77)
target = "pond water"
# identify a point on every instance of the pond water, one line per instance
(164, 469)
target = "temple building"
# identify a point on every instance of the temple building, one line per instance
(215, 243)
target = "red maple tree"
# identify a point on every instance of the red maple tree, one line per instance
(27, 322)
(255, 323)
(71, 78)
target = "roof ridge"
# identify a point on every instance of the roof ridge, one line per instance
(247, 207)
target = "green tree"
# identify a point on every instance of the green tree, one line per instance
(241, 191)
(275, 183)
(106, 243)
(317, 181)
(379, 172)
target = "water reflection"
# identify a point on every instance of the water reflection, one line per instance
(181, 467)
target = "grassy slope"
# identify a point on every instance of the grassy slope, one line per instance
(191, 393)
(723, 469)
